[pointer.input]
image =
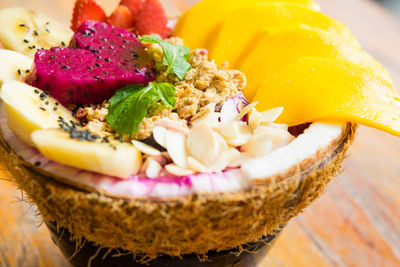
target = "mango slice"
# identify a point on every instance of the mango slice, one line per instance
(322, 89)
(276, 47)
(236, 31)
(195, 25)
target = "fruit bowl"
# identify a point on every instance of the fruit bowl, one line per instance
(160, 226)
(137, 149)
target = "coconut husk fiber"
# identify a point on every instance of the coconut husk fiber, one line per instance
(191, 224)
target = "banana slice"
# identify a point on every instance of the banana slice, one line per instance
(117, 159)
(26, 31)
(13, 66)
(28, 109)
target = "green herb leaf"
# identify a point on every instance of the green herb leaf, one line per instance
(129, 106)
(175, 56)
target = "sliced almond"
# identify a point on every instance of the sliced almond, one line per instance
(258, 145)
(271, 115)
(255, 119)
(229, 111)
(280, 126)
(225, 159)
(245, 110)
(173, 125)
(175, 143)
(178, 171)
(145, 148)
(159, 133)
(207, 116)
(238, 159)
(196, 165)
(265, 139)
(221, 142)
(277, 136)
(235, 133)
(203, 145)
(153, 168)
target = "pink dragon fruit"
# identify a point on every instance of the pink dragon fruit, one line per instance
(100, 60)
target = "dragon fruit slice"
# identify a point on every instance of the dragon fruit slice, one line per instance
(101, 59)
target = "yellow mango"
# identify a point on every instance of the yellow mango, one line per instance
(323, 89)
(233, 37)
(276, 47)
(195, 25)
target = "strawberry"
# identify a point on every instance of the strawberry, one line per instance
(151, 19)
(121, 17)
(133, 5)
(87, 10)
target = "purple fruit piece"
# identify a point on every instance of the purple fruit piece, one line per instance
(101, 59)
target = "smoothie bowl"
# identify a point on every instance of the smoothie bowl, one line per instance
(145, 142)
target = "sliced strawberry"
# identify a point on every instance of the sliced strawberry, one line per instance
(133, 5)
(121, 17)
(87, 10)
(151, 19)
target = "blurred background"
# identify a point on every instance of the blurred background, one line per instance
(392, 5)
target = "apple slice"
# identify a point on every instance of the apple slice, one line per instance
(276, 47)
(195, 26)
(237, 30)
(28, 109)
(115, 159)
(13, 66)
(323, 89)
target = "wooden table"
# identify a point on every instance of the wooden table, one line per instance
(357, 221)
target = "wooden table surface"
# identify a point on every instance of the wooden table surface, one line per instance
(355, 223)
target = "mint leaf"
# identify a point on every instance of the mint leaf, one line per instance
(175, 56)
(129, 106)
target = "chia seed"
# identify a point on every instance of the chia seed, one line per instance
(42, 96)
(74, 133)
(119, 138)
